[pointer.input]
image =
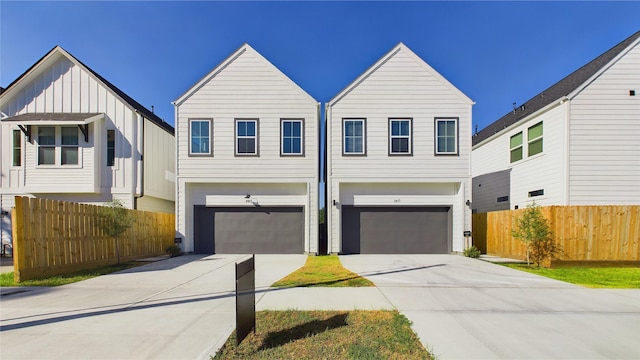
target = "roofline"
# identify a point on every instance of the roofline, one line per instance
(114, 90)
(226, 62)
(381, 61)
(517, 116)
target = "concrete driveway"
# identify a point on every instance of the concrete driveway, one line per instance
(180, 308)
(463, 308)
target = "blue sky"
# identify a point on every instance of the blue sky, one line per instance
(497, 53)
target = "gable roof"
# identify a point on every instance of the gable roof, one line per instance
(226, 62)
(397, 49)
(126, 98)
(562, 88)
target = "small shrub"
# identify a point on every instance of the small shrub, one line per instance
(472, 252)
(535, 232)
(173, 250)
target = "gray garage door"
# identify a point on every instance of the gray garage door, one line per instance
(395, 230)
(260, 230)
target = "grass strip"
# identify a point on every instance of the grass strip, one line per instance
(327, 335)
(594, 277)
(6, 279)
(322, 271)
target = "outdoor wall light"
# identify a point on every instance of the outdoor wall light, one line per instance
(248, 196)
(468, 202)
(335, 203)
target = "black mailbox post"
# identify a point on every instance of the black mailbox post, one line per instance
(245, 298)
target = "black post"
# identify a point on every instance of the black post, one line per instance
(245, 298)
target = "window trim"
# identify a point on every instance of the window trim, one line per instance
(457, 136)
(198, 154)
(409, 137)
(14, 147)
(302, 152)
(520, 146)
(364, 137)
(539, 138)
(256, 137)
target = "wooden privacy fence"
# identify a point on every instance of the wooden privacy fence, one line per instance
(585, 233)
(55, 237)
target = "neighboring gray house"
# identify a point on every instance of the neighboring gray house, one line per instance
(247, 161)
(398, 160)
(575, 143)
(68, 134)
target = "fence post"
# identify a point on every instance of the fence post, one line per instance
(17, 221)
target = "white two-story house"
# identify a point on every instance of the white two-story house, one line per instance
(575, 143)
(247, 161)
(398, 160)
(68, 134)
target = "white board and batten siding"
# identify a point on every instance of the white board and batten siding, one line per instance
(543, 171)
(246, 86)
(399, 85)
(59, 83)
(604, 146)
(66, 87)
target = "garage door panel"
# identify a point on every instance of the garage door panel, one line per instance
(395, 230)
(273, 230)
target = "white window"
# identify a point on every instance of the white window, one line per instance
(447, 136)
(515, 147)
(17, 148)
(46, 145)
(291, 138)
(353, 142)
(69, 145)
(246, 137)
(534, 138)
(58, 145)
(400, 136)
(200, 137)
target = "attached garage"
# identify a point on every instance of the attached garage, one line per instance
(396, 230)
(248, 230)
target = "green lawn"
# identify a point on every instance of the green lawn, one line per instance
(324, 271)
(327, 335)
(6, 279)
(596, 277)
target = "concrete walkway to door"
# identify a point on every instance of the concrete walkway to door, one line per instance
(464, 308)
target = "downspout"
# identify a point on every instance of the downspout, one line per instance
(318, 229)
(327, 206)
(138, 167)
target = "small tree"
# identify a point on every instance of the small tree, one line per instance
(116, 219)
(534, 231)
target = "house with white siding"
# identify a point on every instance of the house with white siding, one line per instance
(575, 143)
(247, 161)
(398, 160)
(68, 134)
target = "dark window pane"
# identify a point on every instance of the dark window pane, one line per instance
(69, 156)
(286, 146)
(111, 147)
(46, 135)
(69, 136)
(46, 155)
(535, 147)
(297, 129)
(246, 146)
(404, 128)
(516, 154)
(297, 149)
